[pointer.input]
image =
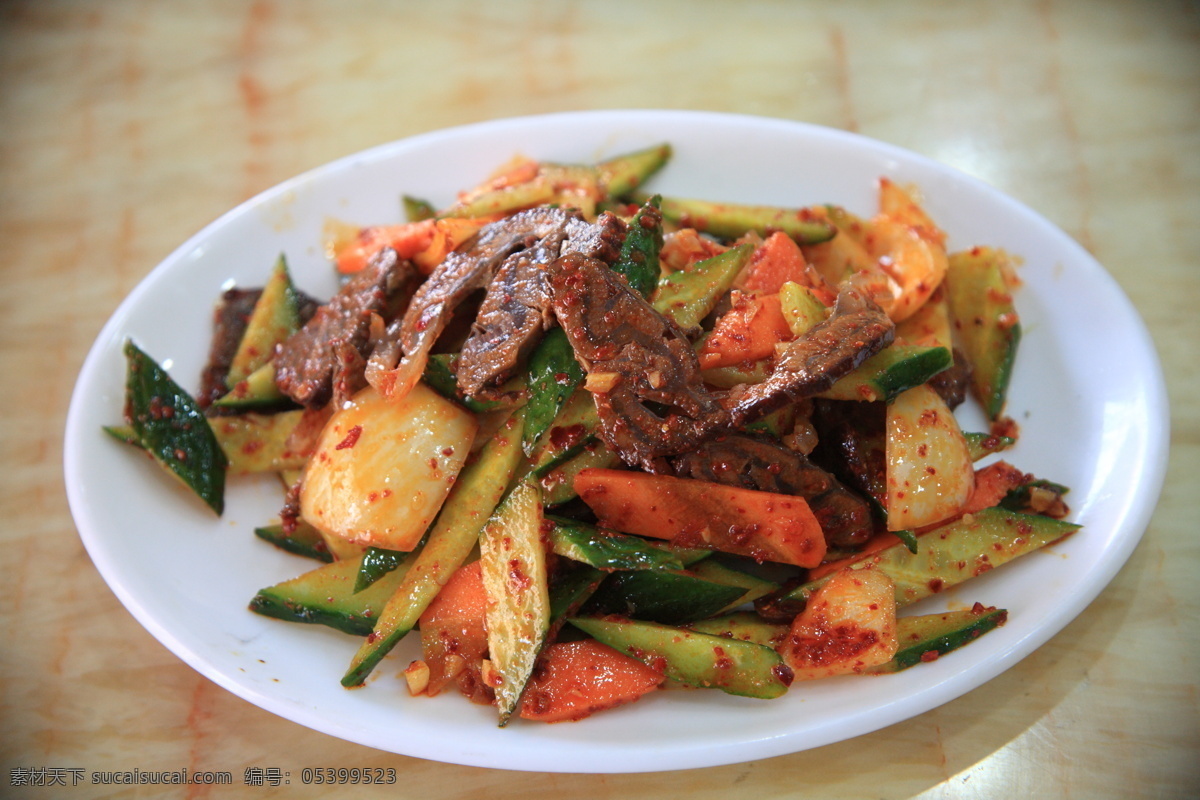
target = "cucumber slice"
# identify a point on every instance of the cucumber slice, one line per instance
(377, 562)
(621, 175)
(981, 445)
(985, 321)
(696, 659)
(169, 425)
(744, 626)
(256, 391)
(259, 442)
(688, 297)
(518, 590)
(303, 540)
(276, 316)
(948, 555)
(926, 637)
(554, 375)
(890, 372)
(326, 596)
(604, 549)
(669, 597)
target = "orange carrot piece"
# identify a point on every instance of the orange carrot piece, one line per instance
(747, 332)
(448, 234)
(454, 630)
(576, 679)
(775, 262)
(694, 513)
(407, 239)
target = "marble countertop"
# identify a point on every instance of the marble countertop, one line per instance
(128, 125)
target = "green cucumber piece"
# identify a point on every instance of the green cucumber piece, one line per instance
(518, 589)
(256, 391)
(752, 586)
(326, 596)
(276, 316)
(302, 540)
(890, 372)
(985, 321)
(573, 428)
(455, 532)
(696, 659)
(665, 596)
(638, 260)
(258, 442)
(609, 550)
(744, 626)
(926, 637)
(377, 562)
(687, 297)
(440, 376)
(168, 424)
(502, 201)
(554, 375)
(416, 209)
(622, 174)
(732, 220)
(982, 445)
(558, 485)
(950, 554)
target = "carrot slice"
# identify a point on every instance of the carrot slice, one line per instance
(747, 332)
(454, 630)
(576, 679)
(694, 513)
(775, 262)
(407, 239)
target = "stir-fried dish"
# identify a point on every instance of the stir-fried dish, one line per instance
(587, 443)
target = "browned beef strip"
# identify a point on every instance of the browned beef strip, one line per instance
(857, 330)
(230, 319)
(463, 271)
(229, 324)
(853, 443)
(754, 463)
(306, 363)
(657, 404)
(952, 384)
(516, 308)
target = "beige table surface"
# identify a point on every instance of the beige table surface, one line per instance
(126, 126)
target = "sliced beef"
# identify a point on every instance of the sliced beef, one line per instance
(857, 330)
(230, 318)
(641, 368)
(952, 384)
(323, 351)
(516, 309)
(853, 444)
(461, 273)
(753, 463)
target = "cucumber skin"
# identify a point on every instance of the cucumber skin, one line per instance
(168, 423)
(326, 596)
(666, 597)
(996, 536)
(303, 541)
(946, 632)
(695, 659)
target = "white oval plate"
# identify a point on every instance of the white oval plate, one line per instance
(1087, 392)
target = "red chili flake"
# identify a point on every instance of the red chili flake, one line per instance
(930, 655)
(180, 455)
(351, 438)
(447, 451)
